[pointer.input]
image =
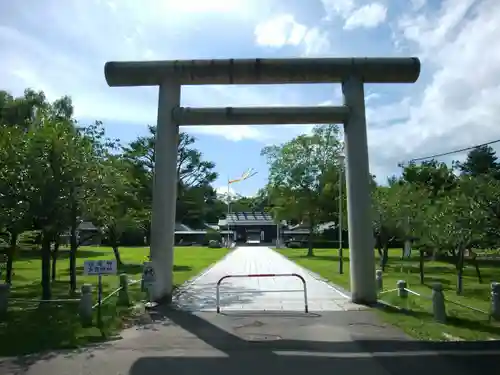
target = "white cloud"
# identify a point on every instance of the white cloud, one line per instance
(368, 16)
(316, 43)
(459, 105)
(228, 132)
(280, 31)
(338, 7)
(223, 192)
(62, 49)
(355, 15)
(283, 30)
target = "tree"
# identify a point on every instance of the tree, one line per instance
(113, 206)
(87, 149)
(14, 205)
(384, 220)
(455, 222)
(192, 173)
(301, 174)
(432, 175)
(481, 160)
(484, 190)
(48, 161)
(22, 111)
(25, 121)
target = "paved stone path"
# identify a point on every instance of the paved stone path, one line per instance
(260, 293)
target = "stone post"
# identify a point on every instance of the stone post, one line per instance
(495, 301)
(4, 298)
(123, 297)
(85, 308)
(359, 209)
(165, 191)
(402, 292)
(438, 305)
(379, 279)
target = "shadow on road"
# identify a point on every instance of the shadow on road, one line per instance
(358, 356)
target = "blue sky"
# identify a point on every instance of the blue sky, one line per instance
(61, 47)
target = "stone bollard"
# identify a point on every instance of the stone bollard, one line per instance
(402, 292)
(495, 301)
(85, 308)
(438, 306)
(379, 280)
(123, 297)
(4, 298)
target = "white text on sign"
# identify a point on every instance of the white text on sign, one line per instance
(100, 267)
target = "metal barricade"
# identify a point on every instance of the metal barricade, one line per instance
(306, 307)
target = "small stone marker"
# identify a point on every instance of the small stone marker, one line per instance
(495, 301)
(148, 281)
(402, 292)
(379, 280)
(85, 308)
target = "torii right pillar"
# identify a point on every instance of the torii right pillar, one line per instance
(362, 254)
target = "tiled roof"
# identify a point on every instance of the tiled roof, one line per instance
(249, 218)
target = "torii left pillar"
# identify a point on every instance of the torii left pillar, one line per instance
(164, 189)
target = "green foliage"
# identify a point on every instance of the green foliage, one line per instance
(480, 161)
(303, 177)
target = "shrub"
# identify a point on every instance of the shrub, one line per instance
(214, 244)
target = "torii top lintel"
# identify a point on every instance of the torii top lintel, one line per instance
(262, 71)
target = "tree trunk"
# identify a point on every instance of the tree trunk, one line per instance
(460, 270)
(147, 232)
(383, 247)
(10, 257)
(73, 247)
(113, 239)
(116, 251)
(385, 255)
(54, 257)
(310, 251)
(421, 266)
(46, 286)
(379, 245)
(478, 272)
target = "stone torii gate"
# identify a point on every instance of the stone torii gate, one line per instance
(352, 73)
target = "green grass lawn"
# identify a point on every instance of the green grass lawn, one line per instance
(31, 327)
(462, 323)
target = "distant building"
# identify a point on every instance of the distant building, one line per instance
(251, 227)
(86, 233)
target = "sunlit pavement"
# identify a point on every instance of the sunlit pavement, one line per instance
(280, 293)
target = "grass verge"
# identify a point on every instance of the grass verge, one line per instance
(418, 322)
(34, 327)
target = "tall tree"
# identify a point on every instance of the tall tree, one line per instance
(48, 162)
(432, 175)
(192, 172)
(302, 175)
(113, 207)
(14, 187)
(481, 160)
